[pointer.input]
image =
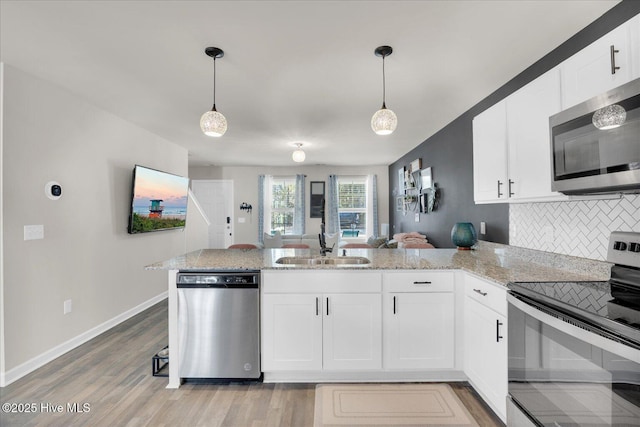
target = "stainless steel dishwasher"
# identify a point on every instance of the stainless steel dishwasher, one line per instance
(219, 325)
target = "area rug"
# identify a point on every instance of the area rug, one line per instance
(389, 405)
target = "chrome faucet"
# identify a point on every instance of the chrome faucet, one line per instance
(323, 242)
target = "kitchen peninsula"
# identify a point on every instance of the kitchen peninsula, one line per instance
(417, 310)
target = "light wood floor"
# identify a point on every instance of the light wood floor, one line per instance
(112, 374)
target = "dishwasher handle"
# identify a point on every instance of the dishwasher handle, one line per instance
(218, 280)
(217, 285)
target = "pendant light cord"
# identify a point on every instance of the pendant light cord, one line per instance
(214, 84)
(383, 84)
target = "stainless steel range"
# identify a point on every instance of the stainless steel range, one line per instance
(574, 347)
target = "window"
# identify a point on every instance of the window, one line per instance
(352, 206)
(283, 197)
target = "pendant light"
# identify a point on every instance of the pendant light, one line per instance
(609, 117)
(384, 121)
(298, 156)
(213, 123)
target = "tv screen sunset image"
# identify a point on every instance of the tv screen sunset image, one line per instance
(159, 201)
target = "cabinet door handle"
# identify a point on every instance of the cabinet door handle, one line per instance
(394, 305)
(422, 283)
(327, 306)
(511, 193)
(500, 194)
(484, 294)
(613, 59)
(317, 306)
(498, 324)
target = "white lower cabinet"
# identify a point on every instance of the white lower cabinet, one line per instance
(291, 333)
(392, 325)
(352, 332)
(485, 331)
(419, 320)
(324, 331)
(332, 322)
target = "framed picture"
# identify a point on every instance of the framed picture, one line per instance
(316, 199)
(401, 181)
(415, 165)
(400, 203)
(426, 178)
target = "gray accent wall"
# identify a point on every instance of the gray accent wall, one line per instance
(450, 151)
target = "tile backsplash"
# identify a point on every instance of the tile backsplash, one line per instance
(577, 228)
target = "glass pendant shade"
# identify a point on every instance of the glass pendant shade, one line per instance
(384, 121)
(609, 117)
(298, 156)
(213, 123)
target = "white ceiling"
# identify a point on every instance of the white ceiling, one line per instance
(292, 71)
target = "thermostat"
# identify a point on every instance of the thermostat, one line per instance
(53, 190)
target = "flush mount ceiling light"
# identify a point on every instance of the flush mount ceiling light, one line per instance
(609, 117)
(213, 123)
(384, 121)
(298, 156)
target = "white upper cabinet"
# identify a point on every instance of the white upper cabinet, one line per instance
(529, 148)
(511, 142)
(511, 148)
(490, 155)
(591, 72)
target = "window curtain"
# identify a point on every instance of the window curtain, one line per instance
(299, 208)
(261, 200)
(333, 219)
(264, 206)
(373, 205)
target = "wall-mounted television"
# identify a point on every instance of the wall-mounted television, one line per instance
(158, 201)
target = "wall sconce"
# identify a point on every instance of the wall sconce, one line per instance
(245, 207)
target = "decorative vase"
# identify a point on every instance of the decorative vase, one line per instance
(463, 235)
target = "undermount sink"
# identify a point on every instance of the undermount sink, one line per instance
(304, 260)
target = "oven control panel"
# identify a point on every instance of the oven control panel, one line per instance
(624, 248)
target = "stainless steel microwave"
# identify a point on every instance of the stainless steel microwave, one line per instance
(598, 154)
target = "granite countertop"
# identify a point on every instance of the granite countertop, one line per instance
(493, 261)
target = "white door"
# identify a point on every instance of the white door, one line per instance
(352, 332)
(419, 330)
(216, 199)
(291, 332)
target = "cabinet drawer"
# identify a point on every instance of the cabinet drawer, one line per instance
(491, 295)
(418, 281)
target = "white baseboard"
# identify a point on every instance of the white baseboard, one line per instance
(31, 365)
(445, 375)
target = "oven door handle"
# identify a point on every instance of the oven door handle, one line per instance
(584, 332)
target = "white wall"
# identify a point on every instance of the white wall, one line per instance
(245, 189)
(577, 228)
(86, 254)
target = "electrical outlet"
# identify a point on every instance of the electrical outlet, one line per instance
(483, 227)
(67, 306)
(416, 218)
(33, 232)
